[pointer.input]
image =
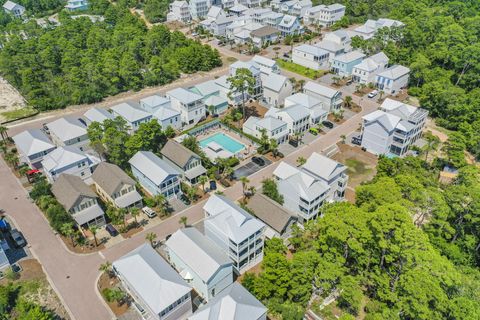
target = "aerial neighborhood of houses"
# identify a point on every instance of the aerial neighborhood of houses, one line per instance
(192, 273)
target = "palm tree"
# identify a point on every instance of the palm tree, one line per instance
(244, 180)
(183, 221)
(135, 212)
(3, 147)
(122, 212)
(23, 171)
(380, 95)
(336, 80)
(4, 132)
(94, 230)
(67, 230)
(203, 180)
(293, 81)
(106, 267)
(12, 159)
(161, 202)
(432, 143)
(301, 161)
(301, 83)
(274, 147)
(251, 190)
(343, 137)
(151, 237)
(348, 101)
(191, 194)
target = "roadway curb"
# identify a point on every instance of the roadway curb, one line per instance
(99, 295)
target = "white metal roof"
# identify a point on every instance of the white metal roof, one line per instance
(98, 115)
(399, 108)
(394, 72)
(320, 89)
(154, 101)
(32, 141)
(67, 128)
(235, 222)
(264, 61)
(206, 88)
(154, 168)
(198, 252)
(274, 82)
(387, 120)
(151, 277)
(323, 166)
(183, 95)
(288, 21)
(234, 303)
(349, 56)
(302, 99)
(164, 113)
(10, 5)
(307, 48)
(130, 112)
(62, 157)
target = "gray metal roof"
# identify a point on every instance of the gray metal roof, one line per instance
(183, 95)
(320, 89)
(233, 303)
(154, 168)
(274, 82)
(307, 48)
(67, 128)
(110, 177)
(32, 141)
(394, 72)
(349, 56)
(323, 166)
(98, 115)
(130, 112)
(177, 153)
(69, 188)
(62, 157)
(198, 252)
(151, 277)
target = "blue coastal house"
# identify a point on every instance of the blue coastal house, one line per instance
(155, 175)
(343, 64)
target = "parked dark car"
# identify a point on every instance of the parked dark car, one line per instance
(258, 161)
(349, 82)
(293, 142)
(286, 55)
(357, 140)
(18, 238)
(213, 185)
(111, 230)
(327, 124)
(185, 200)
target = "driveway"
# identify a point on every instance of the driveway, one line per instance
(249, 168)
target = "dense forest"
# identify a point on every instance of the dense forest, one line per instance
(408, 249)
(82, 62)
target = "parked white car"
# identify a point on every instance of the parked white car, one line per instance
(149, 212)
(373, 93)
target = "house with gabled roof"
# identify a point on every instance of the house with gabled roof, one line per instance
(266, 65)
(14, 9)
(189, 104)
(115, 186)
(343, 64)
(212, 96)
(154, 284)
(331, 98)
(97, 115)
(365, 71)
(235, 230)
(69, 131)
(290, 25)
(311, 57)
(274, 128)
(276, 88)
(161, 109)
(153, 103)
(318, 112)
(179, 11)
(264, 35)
(132, 114)
(184, 160)
(233, 303)
(33, 145)
(392, 79)
(200, 262)
(370, 28)
(324, 15)
(155, 175)
(78, 200)
(69, 160)
(296, 117)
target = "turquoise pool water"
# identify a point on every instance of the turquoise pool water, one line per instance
(225, 141)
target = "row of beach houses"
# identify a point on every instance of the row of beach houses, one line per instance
(18, 11)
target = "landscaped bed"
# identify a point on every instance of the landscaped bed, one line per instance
(301, 70)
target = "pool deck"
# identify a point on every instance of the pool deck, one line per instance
(249, 148)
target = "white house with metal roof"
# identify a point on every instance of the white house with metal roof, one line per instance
(32, 146)
(154, 102)
(154, 284)
(274, 128)
(212, 95)
(392, 129)
(200, 262)
(393, 79)
(331, 172)
(14, 9)
(331, 98)
(256, 73)
(370, 28)
(266, 65)
(289, 26)
(318, 111)
(69, 131)
(161, 109)
(132, 114)
(324, 15)
(311, 57)
(297, 118)
(302, 192)
(296, 7)
(97, 115)
(179, 11)
(365, 71)
(155, 175)
(234, 303)
(343, 64)
(236, 231)
(276, 88)
(69, 160)
(189, 104)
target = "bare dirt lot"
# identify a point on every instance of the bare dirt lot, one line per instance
(10, 98)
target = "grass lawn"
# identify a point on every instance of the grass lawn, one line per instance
(356, 167)
(301, 70)
(19, 113)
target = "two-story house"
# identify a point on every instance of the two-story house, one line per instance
(78, 200)
(132, 114)
(68, 160)
(69, 131)
(161, 109)
(324, 15)
(199, 8)
(264, 35)
(154, 284)
(266, 65)
(314, 105)
(311, 57)
(274, 128)
(215, 102)
(343, 64)
(200, 262)
(32, 146)
(97, 115)
(256, 73)
(235, 302)
(302, 192)
(155, 175)
(14, 9)
(296, 7)
(296, 117)
(184, 160)
(179, 11)
(393, 79)
(276, 88)
(236, 231)
(365, 71)
(330, 98)
(115, 186)
(392, 129)
(189, 104)
(370, 28)
(289, 26)
(76, 5)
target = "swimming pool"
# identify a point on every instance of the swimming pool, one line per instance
(225, 141)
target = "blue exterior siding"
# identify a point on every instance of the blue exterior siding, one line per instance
(168, 190)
